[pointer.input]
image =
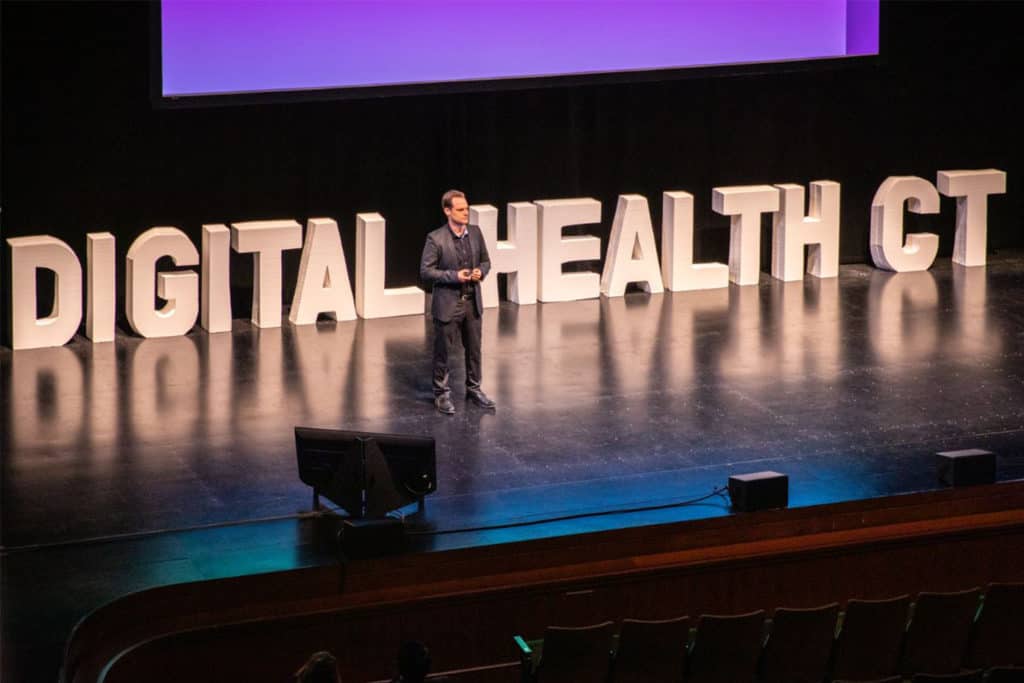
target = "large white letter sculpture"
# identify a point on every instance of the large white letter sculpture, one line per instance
(516, 255)
(215, 295)
(887, 249)
(266, 240)
(323, 285)
(632, 255)
(373, 300)
(29, 254)
(100, 294)
(745, 204)
(819, 230)
(553, 216)
(971, 189)
(179, 289)
(677, 266)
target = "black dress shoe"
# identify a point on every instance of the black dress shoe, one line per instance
(444, 405)
(480, 398)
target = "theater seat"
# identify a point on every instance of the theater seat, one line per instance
(726, 648)
(938, 633)
(964, 677)
(651, 651)
(799, 645)
(998, 635)
(1005, 674)
(868, 645)
(569, 655)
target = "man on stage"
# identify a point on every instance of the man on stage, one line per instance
(454, 261)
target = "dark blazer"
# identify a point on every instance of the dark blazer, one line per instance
(439, 267)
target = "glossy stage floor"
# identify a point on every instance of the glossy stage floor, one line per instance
(147, 462)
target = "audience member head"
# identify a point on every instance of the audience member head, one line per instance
(413, 662)
(321, 667)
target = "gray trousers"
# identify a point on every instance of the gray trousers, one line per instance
(465, 324)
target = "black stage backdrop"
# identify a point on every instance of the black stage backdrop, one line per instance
(85, 150)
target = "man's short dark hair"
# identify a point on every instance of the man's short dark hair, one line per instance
(413, 661)
(447, 197)
(321, 667)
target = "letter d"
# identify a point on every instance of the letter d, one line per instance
(29, 254)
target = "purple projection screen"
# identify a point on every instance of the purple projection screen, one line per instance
(219, 47)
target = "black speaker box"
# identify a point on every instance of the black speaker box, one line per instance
(759, 491)
(966, 467)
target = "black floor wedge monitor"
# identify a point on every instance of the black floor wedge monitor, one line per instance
(364, 473)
